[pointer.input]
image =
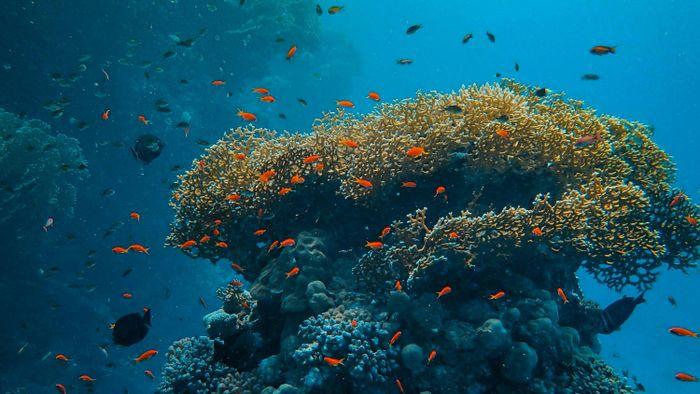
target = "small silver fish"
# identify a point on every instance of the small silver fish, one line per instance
(21, 350)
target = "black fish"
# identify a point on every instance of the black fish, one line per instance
(302, 102)
(164, 109)
(517, 67)
(108, 192)
(413, 29)
(182, 124)
(502, 118)
(618, 312)
(498, 75)
(491, 37)
(184, 81)
(147, 147)
(453, 109)
(541, 92)
(169, 53)
(404, 62)
(132, 328)
(202, 142)
(672, 301)
(590, 77)
(147, 75)
(319, 10)
(467, 37)
(127, 272)
(279, 39)
(176, 167)
(282, 116)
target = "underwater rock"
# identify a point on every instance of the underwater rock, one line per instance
(270, 370)
(492, 337)
(288, 389)
(413, 357)
(147, 147)
(320, 302)
(519, 362)
(398, 302)
(220, 324)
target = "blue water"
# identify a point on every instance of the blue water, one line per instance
(652, 78)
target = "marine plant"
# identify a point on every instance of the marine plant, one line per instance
(494, 188)
(40, 172)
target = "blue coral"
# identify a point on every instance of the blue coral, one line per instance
(365, 348)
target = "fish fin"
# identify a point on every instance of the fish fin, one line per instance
(640, 298)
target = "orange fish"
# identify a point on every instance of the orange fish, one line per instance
(218, 82)
(119, 249)
(364, 183)
(311, 158)
(245, 304)
(284, 191)
(292, 272)
(146, 355)
(503, 133)
(233, 197)
(61, 388)
(287, 242)
(676, 199)
(432, 355)
(272, 246)
(691, 220)
(319, 167)
(105, 115)
(563, 296)
(291, 52)
(135, 216)
(222, 244)
(205, 238)
(237, 267)
(439, 190)
(385, 231)
(349, 143)
(399, 385)
(267, 99)
(394, 338)
(397, 286)
(445, 290)
(149, 373)
(602, 50)
(410, 184)
(265, 176)
(127, 296)
(682, 332)
(143, 119)
(62, 357)
(86, 378)
(686, 377)
(236, 283)
(139, 248)
(453, 235)
(217, 222)
(239, 156)
(262, 91)
(216, 231)
(188, 244)
(296, 179)
(374, 245)
(201, 164)
(498, 295)
(247, 116)
(333, 362)
(537, 232)
(353, 323)
(373, 96)
(259, 232)
(345, 103)
(415, 151)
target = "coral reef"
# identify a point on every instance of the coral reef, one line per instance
(504, 195)
(40, 171)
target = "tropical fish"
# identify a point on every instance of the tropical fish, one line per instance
(364, 183)
(267, 99)
(143, 119)
(218, 82)
(497, 295)
(516, 67)
(385, 231)
(247, 116)
(453, 109)
(490, 36)
(374, 245)
(686, 377)
(237, 267)
(287, 242)
(334, 9)
(202, 303)
(302, 102)
(319, 10)
(415, 151)
(676, 200)
(397, 286)
(587, 140)
(120, 250)
(615, 314)
(432, 355)
(132, 328)
(537, 232)
(590, 77)
(62, 357)
(135, 216)
(672, 301)
(503, 133)
(691, 220)
(444, 291)
(293, 272)
(439, 190)
(266, 176)
(149, 373)
(409, 184)
(333, 362)
(345, 103)
(311, 159)
(541, 92)
(60, 388)
(233, 197)
(467, 37)
(682, 332)
(399, 386)
(284, 191)
(48, 224)
(259, 232)
(296, 179)
(395, 338)
(349, 143)
(412, 29)
(127, 296)
(221, 244)
(373, 96)
(187, 244)
(148, 354)
(105, 114)
(602, 50)
(86, 378)
(562, 295)
(291, 52)
(127, 272)
(404, 62)
(139, 248)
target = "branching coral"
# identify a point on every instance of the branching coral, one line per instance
(40, 170)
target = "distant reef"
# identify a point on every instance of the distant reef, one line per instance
(429, 246)
(40, 172)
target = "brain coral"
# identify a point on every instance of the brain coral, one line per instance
(40, 170)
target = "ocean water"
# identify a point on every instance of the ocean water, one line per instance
(62, 288)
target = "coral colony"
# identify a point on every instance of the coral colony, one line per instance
(383, 254)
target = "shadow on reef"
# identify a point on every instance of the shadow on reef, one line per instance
(373, 271)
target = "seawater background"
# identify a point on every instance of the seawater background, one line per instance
(653, 79)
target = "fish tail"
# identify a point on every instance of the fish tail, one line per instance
(640, 299)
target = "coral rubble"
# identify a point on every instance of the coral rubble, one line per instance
(491, 197)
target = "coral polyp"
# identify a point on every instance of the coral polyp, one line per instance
(582, 191)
